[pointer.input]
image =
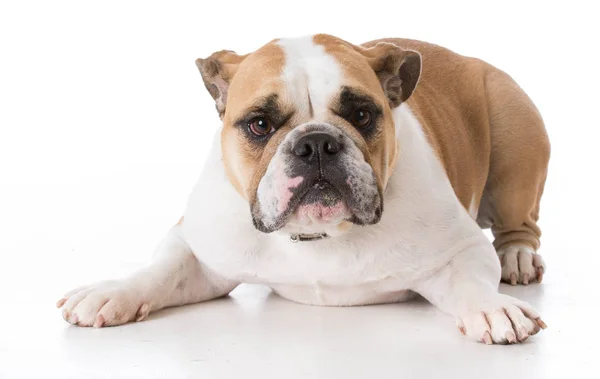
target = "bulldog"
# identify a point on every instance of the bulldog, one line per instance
(348, 175)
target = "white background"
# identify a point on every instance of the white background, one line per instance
(105, 125)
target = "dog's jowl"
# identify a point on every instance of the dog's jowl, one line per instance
(347, 174)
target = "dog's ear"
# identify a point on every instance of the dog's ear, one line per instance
(398, 70)
(217, 72)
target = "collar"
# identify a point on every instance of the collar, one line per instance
(303, 237)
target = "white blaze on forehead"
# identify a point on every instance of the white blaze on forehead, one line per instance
(310, 73)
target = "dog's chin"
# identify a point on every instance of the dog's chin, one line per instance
(321, 206)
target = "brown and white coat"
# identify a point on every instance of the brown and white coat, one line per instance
(452, 144)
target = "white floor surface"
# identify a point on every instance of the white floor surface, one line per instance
(104, 225)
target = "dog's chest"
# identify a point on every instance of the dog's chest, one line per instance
(321, 272)
(420, 227)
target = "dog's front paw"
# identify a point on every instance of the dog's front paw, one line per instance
(104, 304)
(520, 264)
(502, 320)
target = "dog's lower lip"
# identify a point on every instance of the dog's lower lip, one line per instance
(322, 192)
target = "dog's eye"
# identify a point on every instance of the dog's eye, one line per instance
(260, 126)
(361, 118)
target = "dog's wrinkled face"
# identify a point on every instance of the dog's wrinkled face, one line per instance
(308, 137)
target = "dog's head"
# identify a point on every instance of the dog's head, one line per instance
(308, 137)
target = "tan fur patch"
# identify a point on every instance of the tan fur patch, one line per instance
(448, 83)
(258, 75)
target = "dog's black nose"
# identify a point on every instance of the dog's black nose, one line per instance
(316, 146)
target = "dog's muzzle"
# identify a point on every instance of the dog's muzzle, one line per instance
(318, 176)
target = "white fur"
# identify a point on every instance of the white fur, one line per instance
(425, 242)
(310, 73)
(422, 228)
(275, 188)
(473, 210)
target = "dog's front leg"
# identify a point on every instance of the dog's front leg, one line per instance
(467, 288)
(175, 277)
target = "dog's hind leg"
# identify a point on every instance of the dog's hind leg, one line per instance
(510, 205)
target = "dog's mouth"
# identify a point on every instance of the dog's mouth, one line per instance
(321, 192)
(321, 203)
